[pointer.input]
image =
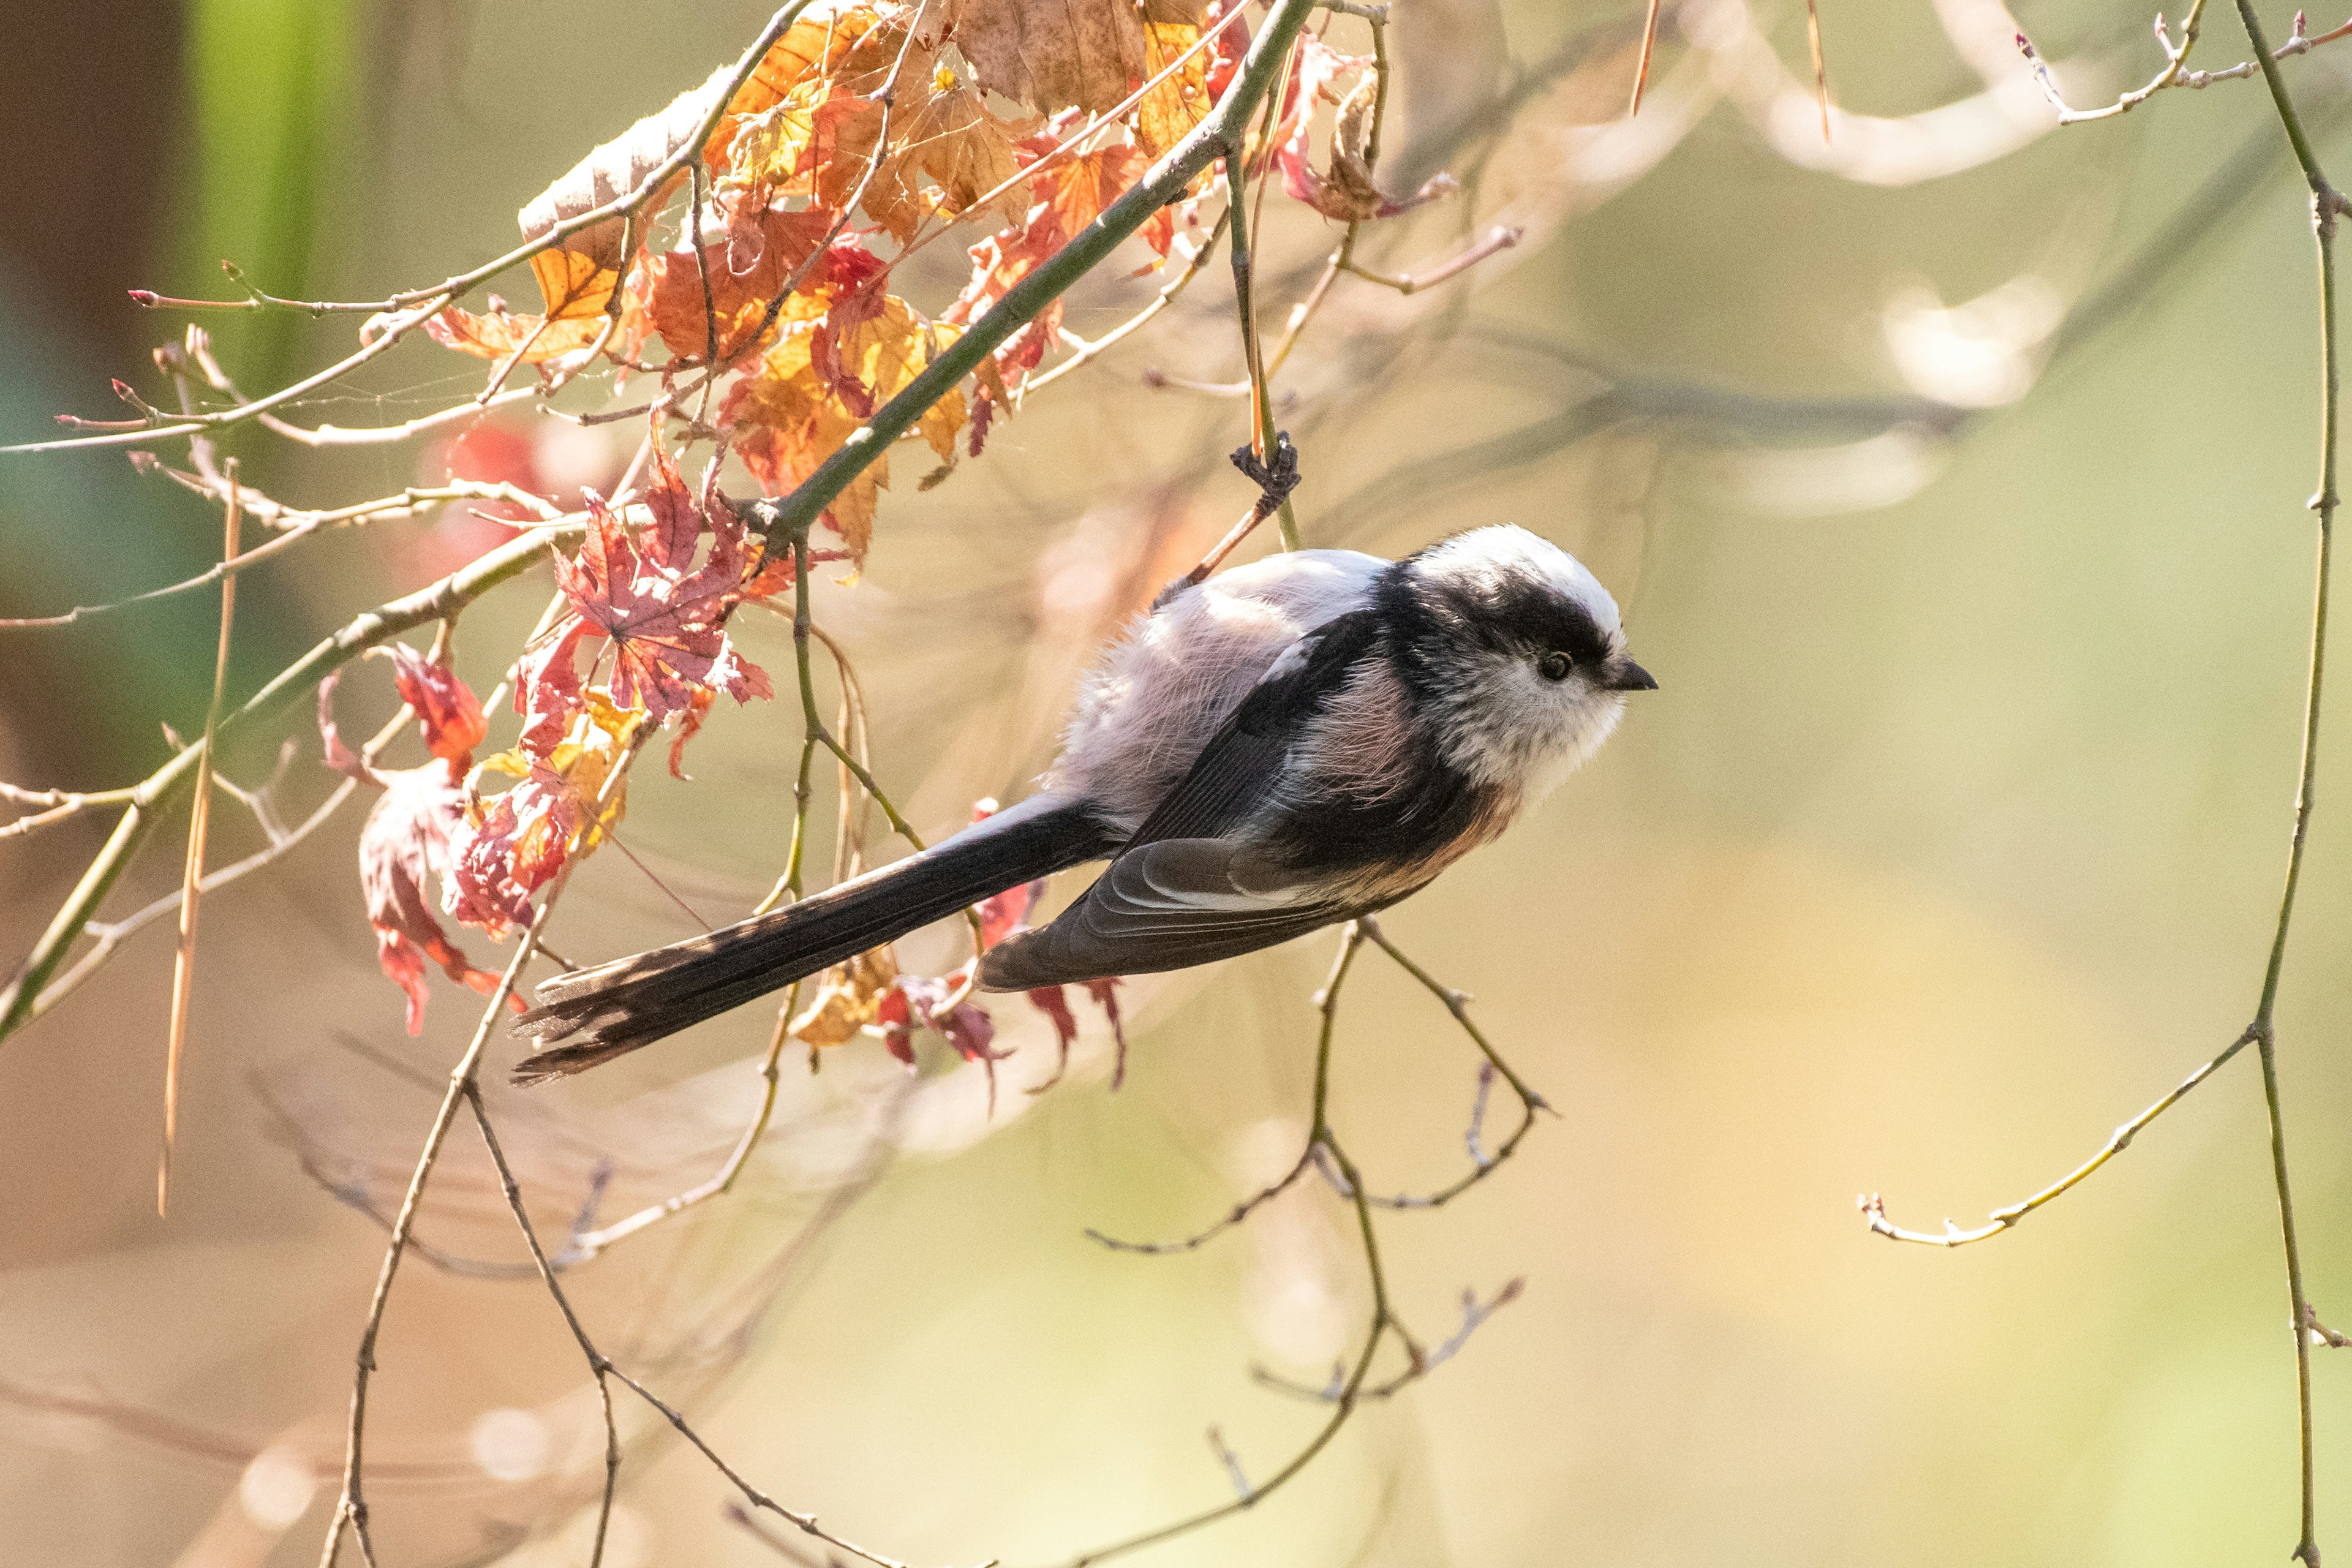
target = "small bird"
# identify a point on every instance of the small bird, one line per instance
(1279, 748)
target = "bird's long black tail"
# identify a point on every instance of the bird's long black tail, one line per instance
(592, 1016)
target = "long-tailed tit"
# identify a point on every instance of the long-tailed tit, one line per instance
(1279, 748)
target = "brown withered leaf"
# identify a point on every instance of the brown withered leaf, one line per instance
(576, 289)
(1169, 111)
(1052, 54)
(964, 149)
(1348, 193)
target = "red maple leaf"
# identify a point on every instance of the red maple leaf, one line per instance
(666, 625)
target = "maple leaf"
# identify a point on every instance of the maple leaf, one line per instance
(447, 712)
(1067, 195)
(851, 47)
(405, 844)
(797, 409)
(513, 845)
(744, 271)
(963, 148)
(785, 422)
(404, 847)
(665, 624)
(1053, 54)
(547, 686)
(576, 288)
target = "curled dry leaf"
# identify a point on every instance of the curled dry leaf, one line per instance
(848, 999)
(447, 712)
(405, 848)
(1348, 193)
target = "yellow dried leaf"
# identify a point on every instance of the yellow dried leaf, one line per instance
(1169, 111)
(1051, 54)
(848, 999)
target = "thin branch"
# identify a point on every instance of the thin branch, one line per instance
(2325, 205)
(2175, 62)
(298, 526)
(1875, 1211)
(1498, 239)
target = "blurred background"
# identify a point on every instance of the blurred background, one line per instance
(1951, 477)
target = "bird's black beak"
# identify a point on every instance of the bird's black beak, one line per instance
(1625, 675)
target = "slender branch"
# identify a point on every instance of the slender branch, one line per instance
(597, 1364)
(1498, 239)
(1873, 1209)
(2325, 205)
(298, 526)
(2175, 62)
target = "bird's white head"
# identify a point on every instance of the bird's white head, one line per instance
(1513, 652)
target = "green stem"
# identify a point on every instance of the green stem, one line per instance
(157, 792)
(2325, 204)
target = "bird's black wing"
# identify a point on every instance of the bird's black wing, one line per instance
(1188, 888)
(1238, 770)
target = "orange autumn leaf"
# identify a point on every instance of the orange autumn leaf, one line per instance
(576, 286)
(743, 272)
(850, 50)
(787, 422)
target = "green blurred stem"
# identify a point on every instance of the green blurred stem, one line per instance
(1211, 140)
(156, 794)
(2325, 204)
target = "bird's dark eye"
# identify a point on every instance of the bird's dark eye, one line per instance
(1554, 666)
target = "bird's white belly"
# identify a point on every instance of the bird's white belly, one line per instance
(1162, 691)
